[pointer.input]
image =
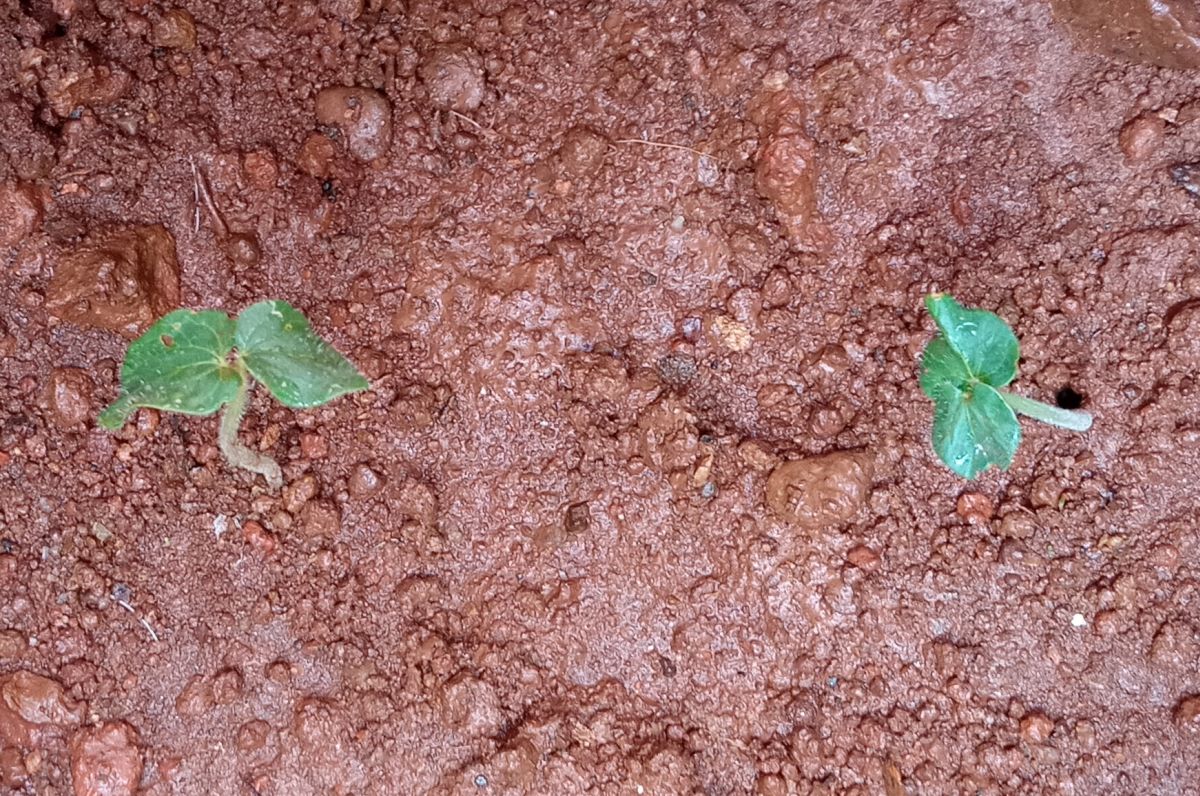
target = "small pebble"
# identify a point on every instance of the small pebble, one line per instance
(69, 397)
(1141, 137)
(364, 481)
(863, 557)
(1036, 727)
(453, 76)
(975, 508)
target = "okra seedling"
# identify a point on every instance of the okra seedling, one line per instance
(196, 362)
(964, 370)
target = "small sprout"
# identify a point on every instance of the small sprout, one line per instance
(963, 370)
(194, 363)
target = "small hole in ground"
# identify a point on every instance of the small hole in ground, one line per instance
(1067, 398)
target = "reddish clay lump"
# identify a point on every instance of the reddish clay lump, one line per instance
(106, 760)
(119, 280)
(364, 117)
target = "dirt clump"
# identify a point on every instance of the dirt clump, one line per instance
(453, 76)
(119, 280)
(106, 760)
(364, 117)
(34, 708)
(820, 491)
(21, 213)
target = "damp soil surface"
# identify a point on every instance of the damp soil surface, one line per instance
(641, 499)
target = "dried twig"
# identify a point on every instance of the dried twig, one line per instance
(487, 131)
(663, 145)
(201, 190)
(142, 619)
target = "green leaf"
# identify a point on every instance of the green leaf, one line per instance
(281, 350)
(974, 429)
(973, 426)
(181, 364)
(986, 344)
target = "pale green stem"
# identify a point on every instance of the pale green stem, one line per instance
(1063, 418)
(235, 452)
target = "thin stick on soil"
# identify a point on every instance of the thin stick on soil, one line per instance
(195, 199)
(142, 619)
(487, 131)
(200, 186)
(663, 145)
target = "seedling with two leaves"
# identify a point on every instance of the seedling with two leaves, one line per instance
(964, 370)
(196, 362)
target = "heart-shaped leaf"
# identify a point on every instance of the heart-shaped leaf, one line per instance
(973, 426)
(986, 344)
(974, 430)
(180, 364)
(279, 348)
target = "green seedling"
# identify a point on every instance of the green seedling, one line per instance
(963, 370)
(195, 363)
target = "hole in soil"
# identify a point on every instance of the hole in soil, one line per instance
(1067, 398)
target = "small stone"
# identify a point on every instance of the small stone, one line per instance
(260, 539)
(260, 168)
(195, 698)
(363, 115)
(1187, 713)
(316, 155)
(1045, 492)
(20, 213)
(770, 785)
(582, 152)
(242, 250)
(974, 507)
(95, 87)
(453, 76)
(12, 770)
(756, 456)
(820, 491)
(344, 10)
(1175, 644)
(786, 176)
(1141, 137)
(677, 369)
(146, 421)
(1107, 623)
(119, 280)
(364, 482)
(33, 708)
(69, 397)
(579, 518)
(175, 30)
(299, 492)
(1036, 727)
(12, 644)
(106, 760)
(471, 706)
(313, 446)
(226, 686)
(731, 334)
(1017, 525)
(320, 519)
(1183, 336)
(252, 736)
(863, 557)
(279, 672)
